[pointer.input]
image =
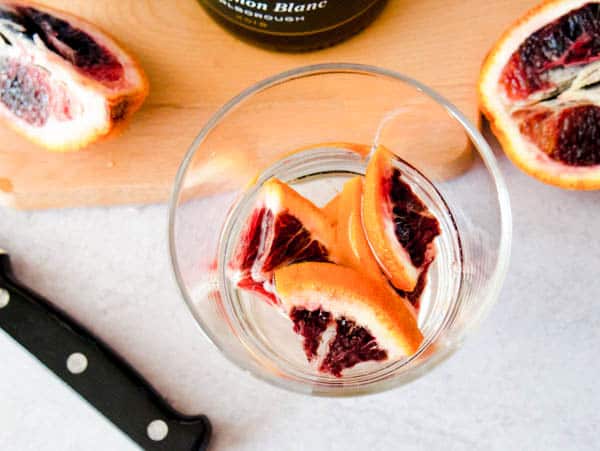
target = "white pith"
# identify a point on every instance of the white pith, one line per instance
(273, 198)
(496, 102)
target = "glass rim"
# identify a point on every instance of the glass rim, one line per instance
(478, 142)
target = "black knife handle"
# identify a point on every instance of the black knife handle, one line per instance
(107, 382)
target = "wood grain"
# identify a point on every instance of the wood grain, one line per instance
(194, 67)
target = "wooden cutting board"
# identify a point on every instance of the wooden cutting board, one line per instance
(194, 67)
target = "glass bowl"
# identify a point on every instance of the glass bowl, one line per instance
(313, 127)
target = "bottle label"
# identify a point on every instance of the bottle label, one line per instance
(299, 17)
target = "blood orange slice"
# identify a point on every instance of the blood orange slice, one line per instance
(368, 326)
(398, 225)
(539, 88)
(351, 246)
(283, 228)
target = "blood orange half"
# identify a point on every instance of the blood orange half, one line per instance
(368, 326)
(539, 88)
(283, 228)
(399, 227)
(63, 82)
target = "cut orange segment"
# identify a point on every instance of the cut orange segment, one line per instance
(399, 227)
(368, 326)
(283, 228)
(351, 246)
(539, 88)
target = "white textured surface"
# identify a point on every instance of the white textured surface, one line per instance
(528, 380)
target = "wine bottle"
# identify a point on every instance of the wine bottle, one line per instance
(294, 26)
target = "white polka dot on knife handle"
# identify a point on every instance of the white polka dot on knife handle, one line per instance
(4, 298)
(157, 430)
(77, 363)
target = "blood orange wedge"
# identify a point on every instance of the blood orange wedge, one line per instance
(368, 326)
(539, 88)
(63, 82)
(351, 246)
(398, 225)
(283, 228)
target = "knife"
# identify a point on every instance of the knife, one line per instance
(95, 371)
